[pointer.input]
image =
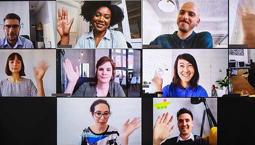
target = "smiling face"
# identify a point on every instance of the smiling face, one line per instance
(188, 17)
(11, 29)
(101, 19)
(185, 124)
(185, 71)
(15, 65)
(101, 108)
(104, 72)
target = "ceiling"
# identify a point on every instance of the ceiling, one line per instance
(213, 16)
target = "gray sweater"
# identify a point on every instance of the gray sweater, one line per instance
(85, 90)
(25, 88)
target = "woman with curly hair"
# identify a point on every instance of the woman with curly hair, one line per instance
(101, 15)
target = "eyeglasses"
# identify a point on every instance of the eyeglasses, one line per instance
(99, 114)
(13, 26)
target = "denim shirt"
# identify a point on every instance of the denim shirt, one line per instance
(111, 39)
(21, 43)
(171, 91)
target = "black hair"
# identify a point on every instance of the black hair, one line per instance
(12, 57)
(176, 79)
(12, 16)
(89, 8)
(92, 107)
(182, 111)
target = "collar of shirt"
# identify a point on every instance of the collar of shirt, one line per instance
(18, 43)
(107, 35)
(187, 40)
(190, 137)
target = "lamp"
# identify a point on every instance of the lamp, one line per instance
(211, 119)
(166, 5)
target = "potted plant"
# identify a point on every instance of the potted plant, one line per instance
(223, 82)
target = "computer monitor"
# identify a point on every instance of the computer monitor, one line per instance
(231, 64)
(241, 64)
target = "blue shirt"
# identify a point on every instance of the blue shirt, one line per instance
(195, 40)
(171, 91)
(21, 43)
(111, 39)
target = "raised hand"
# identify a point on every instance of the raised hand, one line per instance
(72, 75)
(160, 130)
(130, 127)
(40, 69)
(63, 27)
(157, 81)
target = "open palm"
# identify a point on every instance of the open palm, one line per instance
(130, 127)
(40, 69)
(160, 130)
(72, 75)
(63, 26)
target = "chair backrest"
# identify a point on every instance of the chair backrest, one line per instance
(138, 80)
(123, 81)
(133, 80)
(117, 80)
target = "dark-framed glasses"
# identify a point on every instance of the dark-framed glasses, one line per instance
(99, 114)
(11, 26)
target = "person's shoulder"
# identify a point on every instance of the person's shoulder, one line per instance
(200, 88)
(202, 92)
(164, 36)
(170, 141)
(204, 34)
(86, 84)
(3, 82)
(112, 128)
(27, 81)
(114, 32)
(23, 39)
(200, 140)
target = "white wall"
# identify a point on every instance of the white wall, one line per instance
(212, 64)
(31, 58)
(21, 9)
(73, 116)
(154, 27)
(197, 111)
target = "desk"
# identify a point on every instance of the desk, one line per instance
(241, 84)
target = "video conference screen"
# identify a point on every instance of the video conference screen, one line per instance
(127, 72)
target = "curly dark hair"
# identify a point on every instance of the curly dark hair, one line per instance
(88, 10)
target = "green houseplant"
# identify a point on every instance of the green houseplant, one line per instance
(223, 82)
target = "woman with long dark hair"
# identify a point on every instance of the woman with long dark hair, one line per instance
(185, 79)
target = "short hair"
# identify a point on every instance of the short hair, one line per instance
(89, 8)
(100, 62)
(182, 111)
(12, 57)
(12, 16)
(99, 101)
(177, 80)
